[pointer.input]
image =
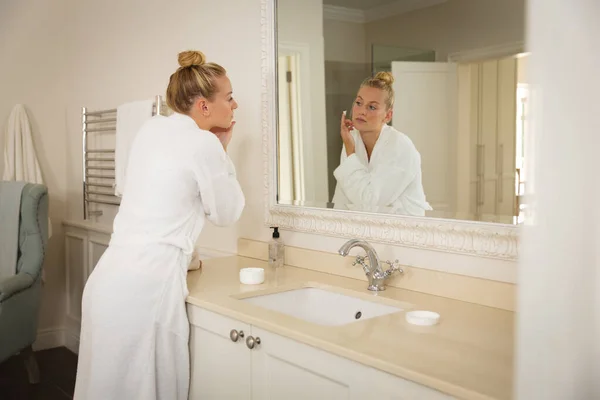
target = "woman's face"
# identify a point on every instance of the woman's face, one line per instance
(222, 105)
(369, 111)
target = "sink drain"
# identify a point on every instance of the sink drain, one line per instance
(357, 315)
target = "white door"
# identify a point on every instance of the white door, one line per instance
(285, 369)
(424, 110)
(221, 369)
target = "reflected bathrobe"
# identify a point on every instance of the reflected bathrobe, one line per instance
(389, 182)
(134, 327)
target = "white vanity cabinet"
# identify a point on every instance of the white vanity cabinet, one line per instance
(221, 363)
(286, 369)
(280, 368)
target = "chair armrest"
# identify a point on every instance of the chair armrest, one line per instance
(14, 284)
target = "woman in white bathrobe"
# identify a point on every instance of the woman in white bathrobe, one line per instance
(380, 168)
(134, 328)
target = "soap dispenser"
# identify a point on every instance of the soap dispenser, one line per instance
(276, 250)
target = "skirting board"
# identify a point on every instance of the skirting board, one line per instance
(67, 336)
(72, 333)
(72, 341)
(49, 338)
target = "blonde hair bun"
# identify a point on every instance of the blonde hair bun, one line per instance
(191, 58)
(385, 77)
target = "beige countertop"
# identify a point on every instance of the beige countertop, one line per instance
(469, 354)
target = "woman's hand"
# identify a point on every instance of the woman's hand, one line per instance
(345, 128)
(224, 134)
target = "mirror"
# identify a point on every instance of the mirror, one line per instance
(435, 94)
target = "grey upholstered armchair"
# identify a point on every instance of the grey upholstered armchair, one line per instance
(20, 294)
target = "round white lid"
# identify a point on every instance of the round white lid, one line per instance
(422, 318)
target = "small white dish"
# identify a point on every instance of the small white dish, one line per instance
(422, 318)
(252, 276)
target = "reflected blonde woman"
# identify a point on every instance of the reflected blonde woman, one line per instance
(380, 168)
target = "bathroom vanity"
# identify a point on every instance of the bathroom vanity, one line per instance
(308, 335)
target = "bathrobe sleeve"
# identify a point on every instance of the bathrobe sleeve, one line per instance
(383, 184)
(220, 191)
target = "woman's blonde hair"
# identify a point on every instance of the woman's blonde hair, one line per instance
(382, 80)
(194, 78)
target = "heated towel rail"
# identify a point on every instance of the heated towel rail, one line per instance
(98, 163)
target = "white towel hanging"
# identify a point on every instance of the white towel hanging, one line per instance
(20, 160)
(130, 118)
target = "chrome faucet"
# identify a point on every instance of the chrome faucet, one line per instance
(373, 270)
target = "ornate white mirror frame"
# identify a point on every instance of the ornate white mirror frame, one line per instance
(491, 240)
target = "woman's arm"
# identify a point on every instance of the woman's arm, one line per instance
(220, 191)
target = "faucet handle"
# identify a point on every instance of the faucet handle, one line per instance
(360, 260)
(394, 267)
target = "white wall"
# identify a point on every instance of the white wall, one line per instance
(558, 351)
(345, 41)
(302, 23)
(135, 57)
(453, 26)
(32, 52)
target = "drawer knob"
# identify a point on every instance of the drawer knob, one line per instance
(235, 335)
(252, 342)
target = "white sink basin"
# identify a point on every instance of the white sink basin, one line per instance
(321, 306)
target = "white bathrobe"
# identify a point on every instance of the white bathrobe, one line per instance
(390, 182)
(134, 330)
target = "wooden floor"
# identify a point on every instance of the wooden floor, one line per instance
(57, 377)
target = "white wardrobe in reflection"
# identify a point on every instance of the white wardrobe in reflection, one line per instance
(490, 140)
